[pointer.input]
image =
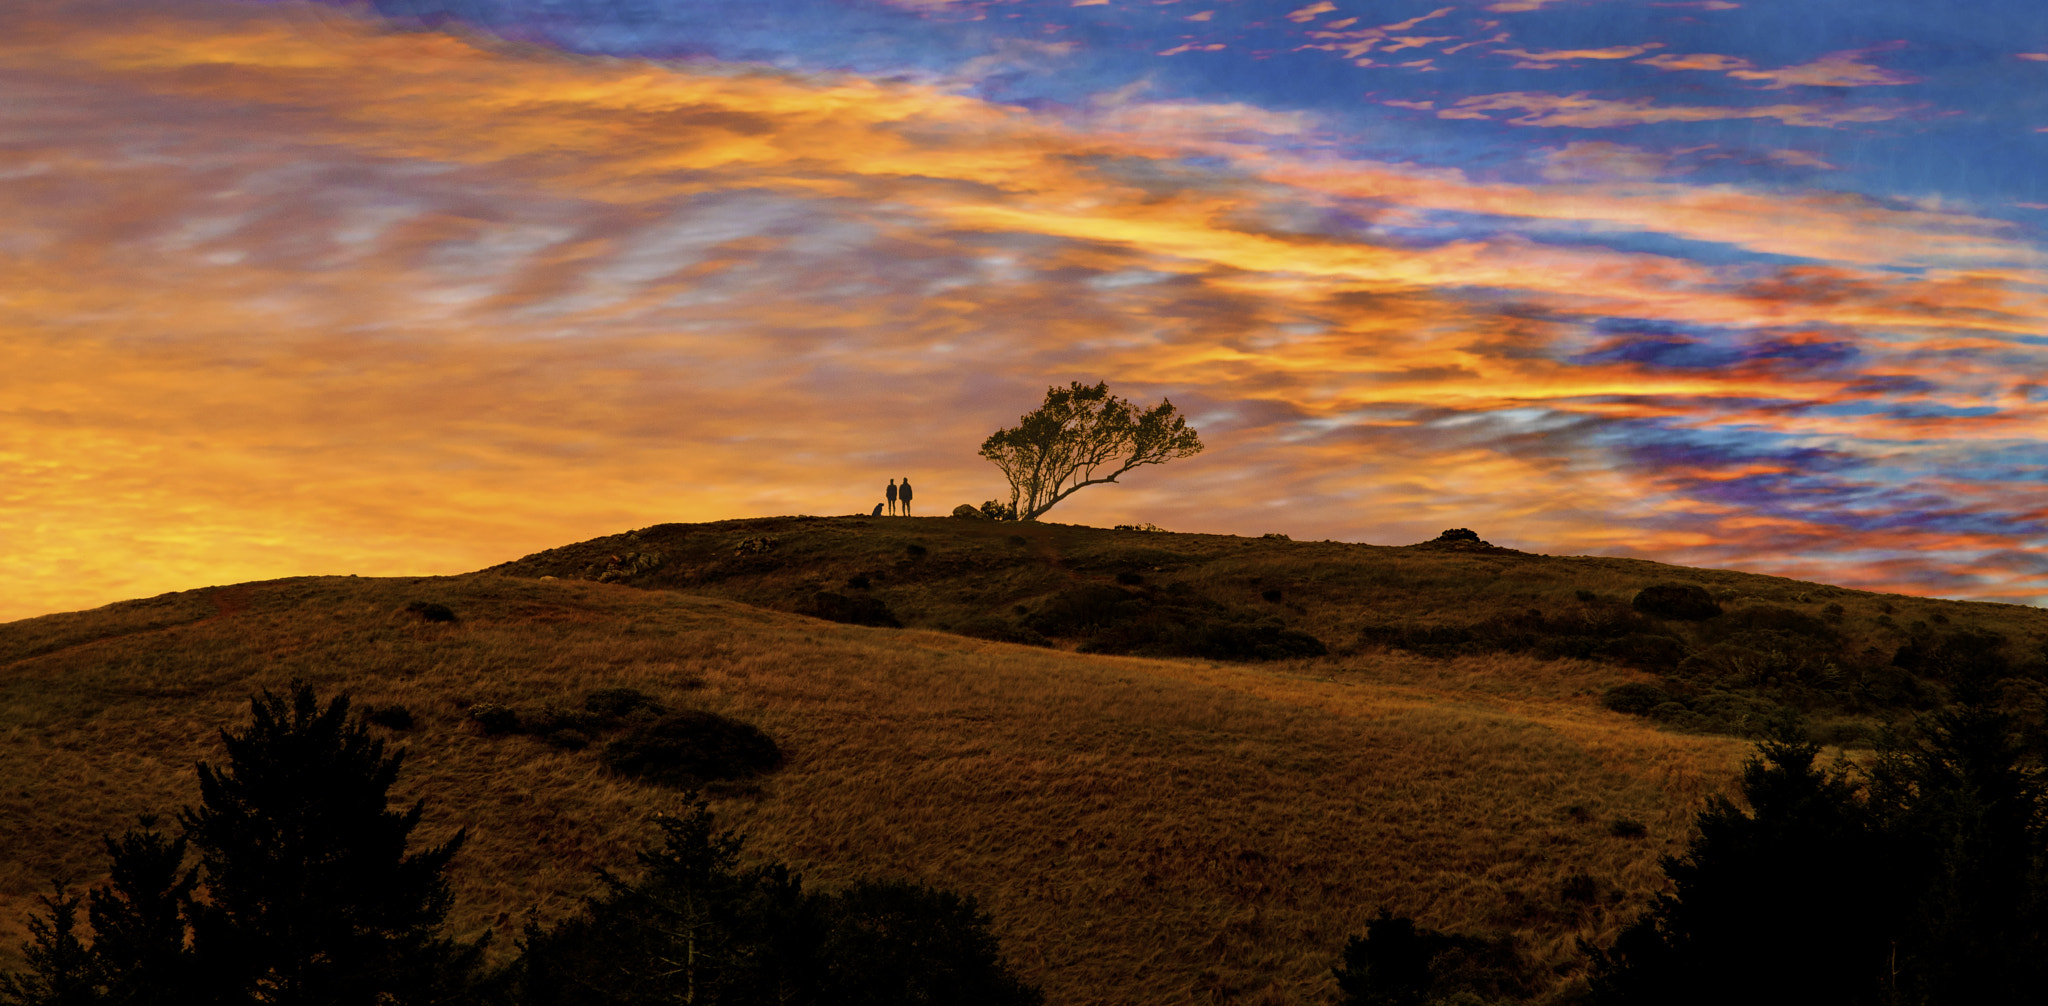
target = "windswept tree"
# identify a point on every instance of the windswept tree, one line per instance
(1083, 436)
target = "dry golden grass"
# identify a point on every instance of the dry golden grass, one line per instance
(1144, 831)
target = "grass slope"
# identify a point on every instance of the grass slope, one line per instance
(1144, 830)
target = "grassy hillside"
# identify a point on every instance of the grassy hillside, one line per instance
(1144, 830)
(1845, 659)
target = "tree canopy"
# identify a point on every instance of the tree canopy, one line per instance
(1083, 436)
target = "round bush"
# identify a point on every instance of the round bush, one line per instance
(1686, 602)
(689, 748)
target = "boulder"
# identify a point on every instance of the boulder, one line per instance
(966, 511)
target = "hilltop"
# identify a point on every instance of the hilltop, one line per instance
(1144, 828)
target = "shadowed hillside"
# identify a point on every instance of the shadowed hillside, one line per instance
(1143, 830)
(1845, 659)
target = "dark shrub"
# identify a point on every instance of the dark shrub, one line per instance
(688, 748)
(999, 510)
(1397, 963)
(1080, 610)
(1634, 698)
(1651, 653)
(1271, 595)
(852, 610)
(858, 581)
(1585, 595)
(915, 551)
(1000, 630)
(1777, 619)
(1683, 601)
(1229, 640)
(1275, 536)
(431, 612)
(1459, 534)
(1627, 827)
(613, 703)
(494, 718)
(1129, 579)
(393, 717)
(1954, 654)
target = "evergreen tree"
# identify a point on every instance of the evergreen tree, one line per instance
(698, 927)
(1925, 888)
(138, 920)
(312, 897)
(1781, 903)
(61, 969)
(1968, 814)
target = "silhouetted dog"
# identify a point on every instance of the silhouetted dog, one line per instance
(878, 511)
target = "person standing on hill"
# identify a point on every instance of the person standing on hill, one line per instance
(892, 497)
(904, 495)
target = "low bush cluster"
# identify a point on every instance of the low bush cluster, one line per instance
(602, 711)
(1142, 620)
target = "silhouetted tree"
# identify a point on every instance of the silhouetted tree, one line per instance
(1970, 820)
(1781, 903)
(61, 968)
(138, 919)
(1923, 888)
(311, 894)
(1397, 963)
(310, 897)
(1058, 448)
(699, 927)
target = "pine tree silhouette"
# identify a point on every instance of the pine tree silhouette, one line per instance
(311, 895)
(61, 969)
(138, 920)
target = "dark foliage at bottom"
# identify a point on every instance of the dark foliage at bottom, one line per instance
(1923, 882)
(300, 888)
(700, 928)
(1397, 963)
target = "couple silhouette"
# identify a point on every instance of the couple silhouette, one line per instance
(897, 494)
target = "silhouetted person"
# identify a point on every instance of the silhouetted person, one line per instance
(878, 511)
(892, 497)
(904, 495)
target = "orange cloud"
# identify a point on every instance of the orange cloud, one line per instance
(1581, 112)
(1842, 69)
(1697, 61)
(1309, 12)
(1566, 55)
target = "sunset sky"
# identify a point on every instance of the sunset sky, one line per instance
(421, 286)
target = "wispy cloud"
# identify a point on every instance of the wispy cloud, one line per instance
(1583, 112)
(1841, 69)
(1564, 55)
